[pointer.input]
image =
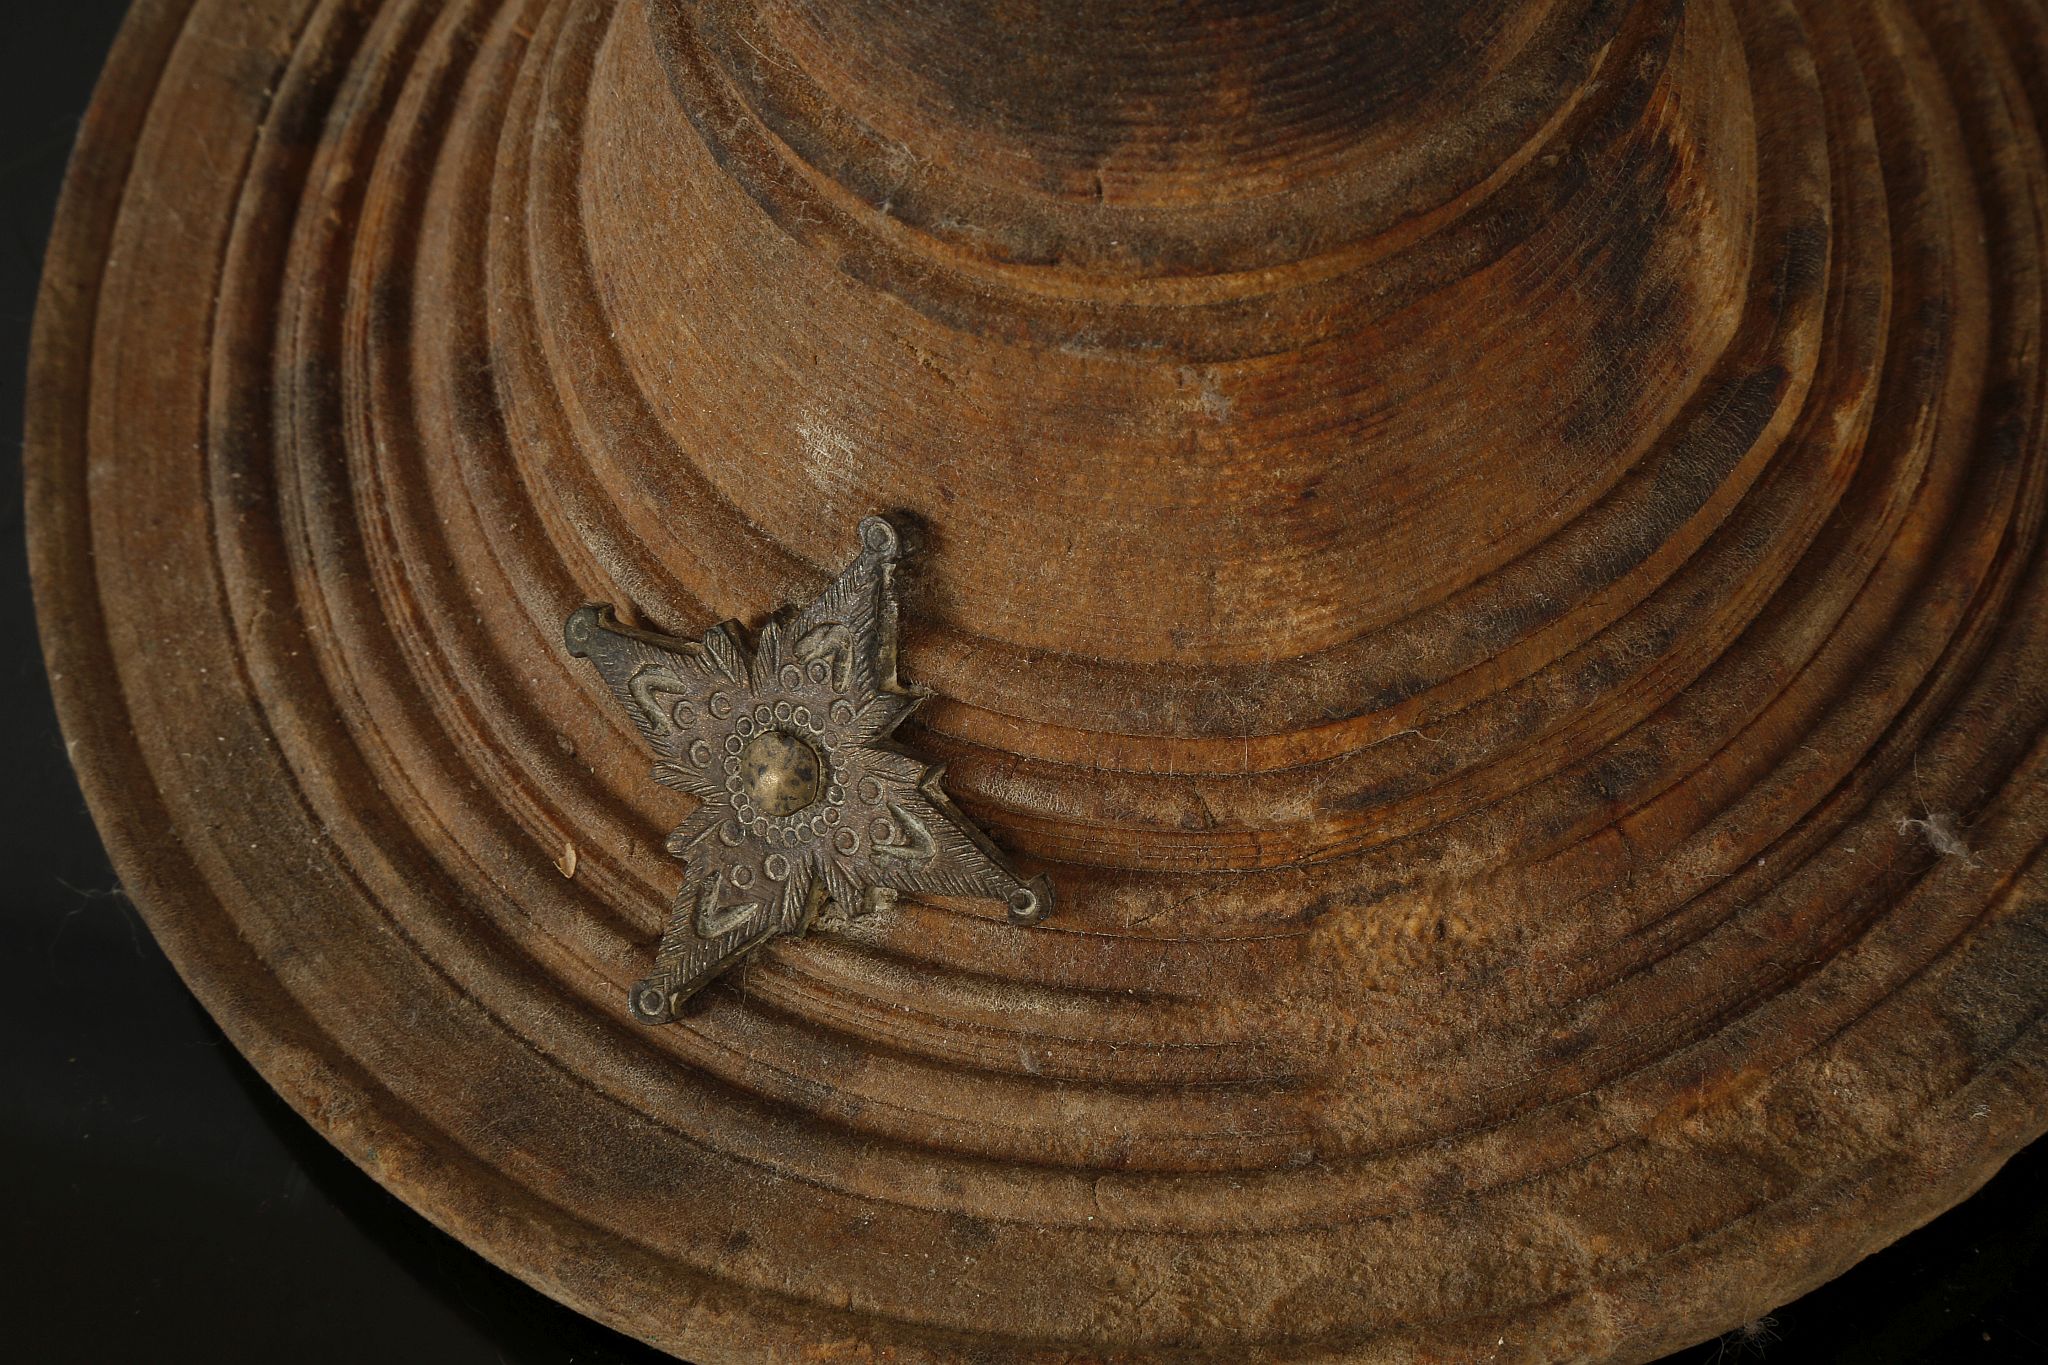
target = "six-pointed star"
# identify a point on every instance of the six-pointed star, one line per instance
(804, 797)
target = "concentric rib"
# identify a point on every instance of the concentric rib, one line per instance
(881, 68)
(1125, 179)
(799, 153)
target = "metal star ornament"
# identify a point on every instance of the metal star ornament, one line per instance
(804, 797)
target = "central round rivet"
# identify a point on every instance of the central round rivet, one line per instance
(780, 773)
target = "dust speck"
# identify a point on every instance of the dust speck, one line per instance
(1939, 829)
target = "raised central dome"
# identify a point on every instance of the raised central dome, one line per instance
(781, 773)
(1237, 480)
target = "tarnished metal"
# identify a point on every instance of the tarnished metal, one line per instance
(804, 797)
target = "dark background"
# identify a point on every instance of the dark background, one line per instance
(158, 1202)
